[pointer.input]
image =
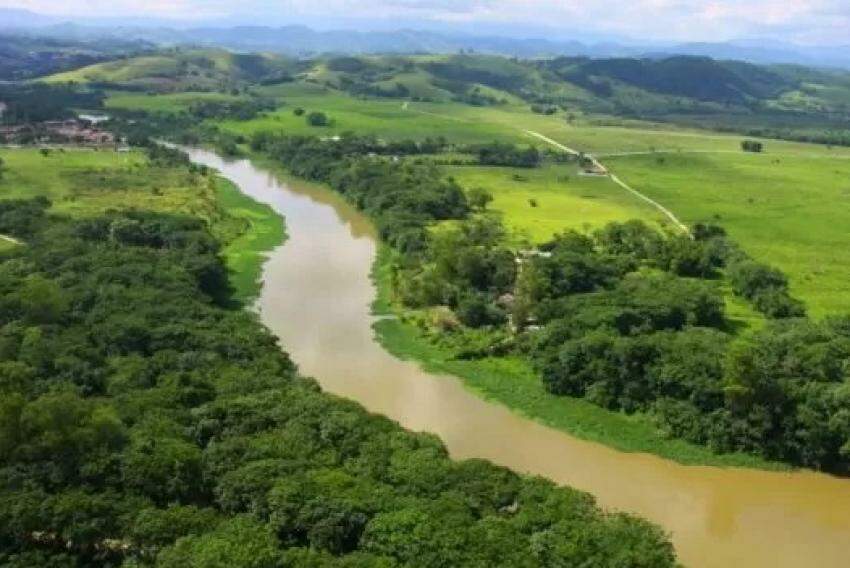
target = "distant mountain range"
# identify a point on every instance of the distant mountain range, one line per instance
(301, 40)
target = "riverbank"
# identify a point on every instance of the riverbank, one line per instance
(512, 382)
(245, 255)
(316, 300)
(508, 381)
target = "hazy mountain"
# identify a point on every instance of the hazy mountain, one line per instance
(763, 51)
(363, 37)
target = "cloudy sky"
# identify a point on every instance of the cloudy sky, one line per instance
(802, 21)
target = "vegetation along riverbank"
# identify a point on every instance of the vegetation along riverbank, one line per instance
(147, 419)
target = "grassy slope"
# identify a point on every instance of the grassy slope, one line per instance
(85, 183)
(119, 71)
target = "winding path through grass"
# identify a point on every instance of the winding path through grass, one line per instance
(615, 179)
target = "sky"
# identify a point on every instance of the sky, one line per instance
(812, 22)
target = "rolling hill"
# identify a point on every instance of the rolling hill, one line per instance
(23, 57)
(761, 100)
(181, 69)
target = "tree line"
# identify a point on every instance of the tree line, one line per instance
(628, 317)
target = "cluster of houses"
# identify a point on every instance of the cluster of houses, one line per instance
(71, 131)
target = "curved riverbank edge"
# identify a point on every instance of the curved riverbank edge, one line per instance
(246, 255)
(511, 382)
(317, 300)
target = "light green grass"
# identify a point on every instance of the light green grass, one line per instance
(511, 382)
(564, 199)
(84, 183)
(121, 70)
(246, 253)
(460, 123)
(792, 212)
(385, 118)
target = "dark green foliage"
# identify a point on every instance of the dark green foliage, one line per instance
(23, 56)
(478, 197)
(22, 218)
(241, 109)
(494, 72)
(544, 109)
(787, 394)
(401, 197)
(142, 421)
(316, 118)
(38, 102)
(752, 146)
(699, 78)
(347, 64)
(508, 155)
(765, 287)
(477, 310)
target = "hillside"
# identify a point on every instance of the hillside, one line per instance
(23, 57)
(679, 89)
(182, 70)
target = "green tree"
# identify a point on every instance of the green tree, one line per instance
(479, 198)
(317, 118)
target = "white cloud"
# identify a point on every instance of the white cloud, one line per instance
(826, 21)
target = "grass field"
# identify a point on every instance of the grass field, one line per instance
(537, 203)
(784, 207)
(83, 183)
(120, 71)
(790, 211)
(386, 118)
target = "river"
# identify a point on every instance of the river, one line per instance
(316, 299)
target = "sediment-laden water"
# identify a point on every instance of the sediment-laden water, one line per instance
(316, 298)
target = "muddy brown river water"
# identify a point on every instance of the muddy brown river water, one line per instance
(317, 297)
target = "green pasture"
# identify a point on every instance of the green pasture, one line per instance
(790, 211)
(394, 119)
(387, 118)
(120, 71)
(537, 203)
(83, 183)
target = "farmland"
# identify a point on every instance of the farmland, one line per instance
(769, 202)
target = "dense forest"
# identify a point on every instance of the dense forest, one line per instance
(586, 310)
(145, 422)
